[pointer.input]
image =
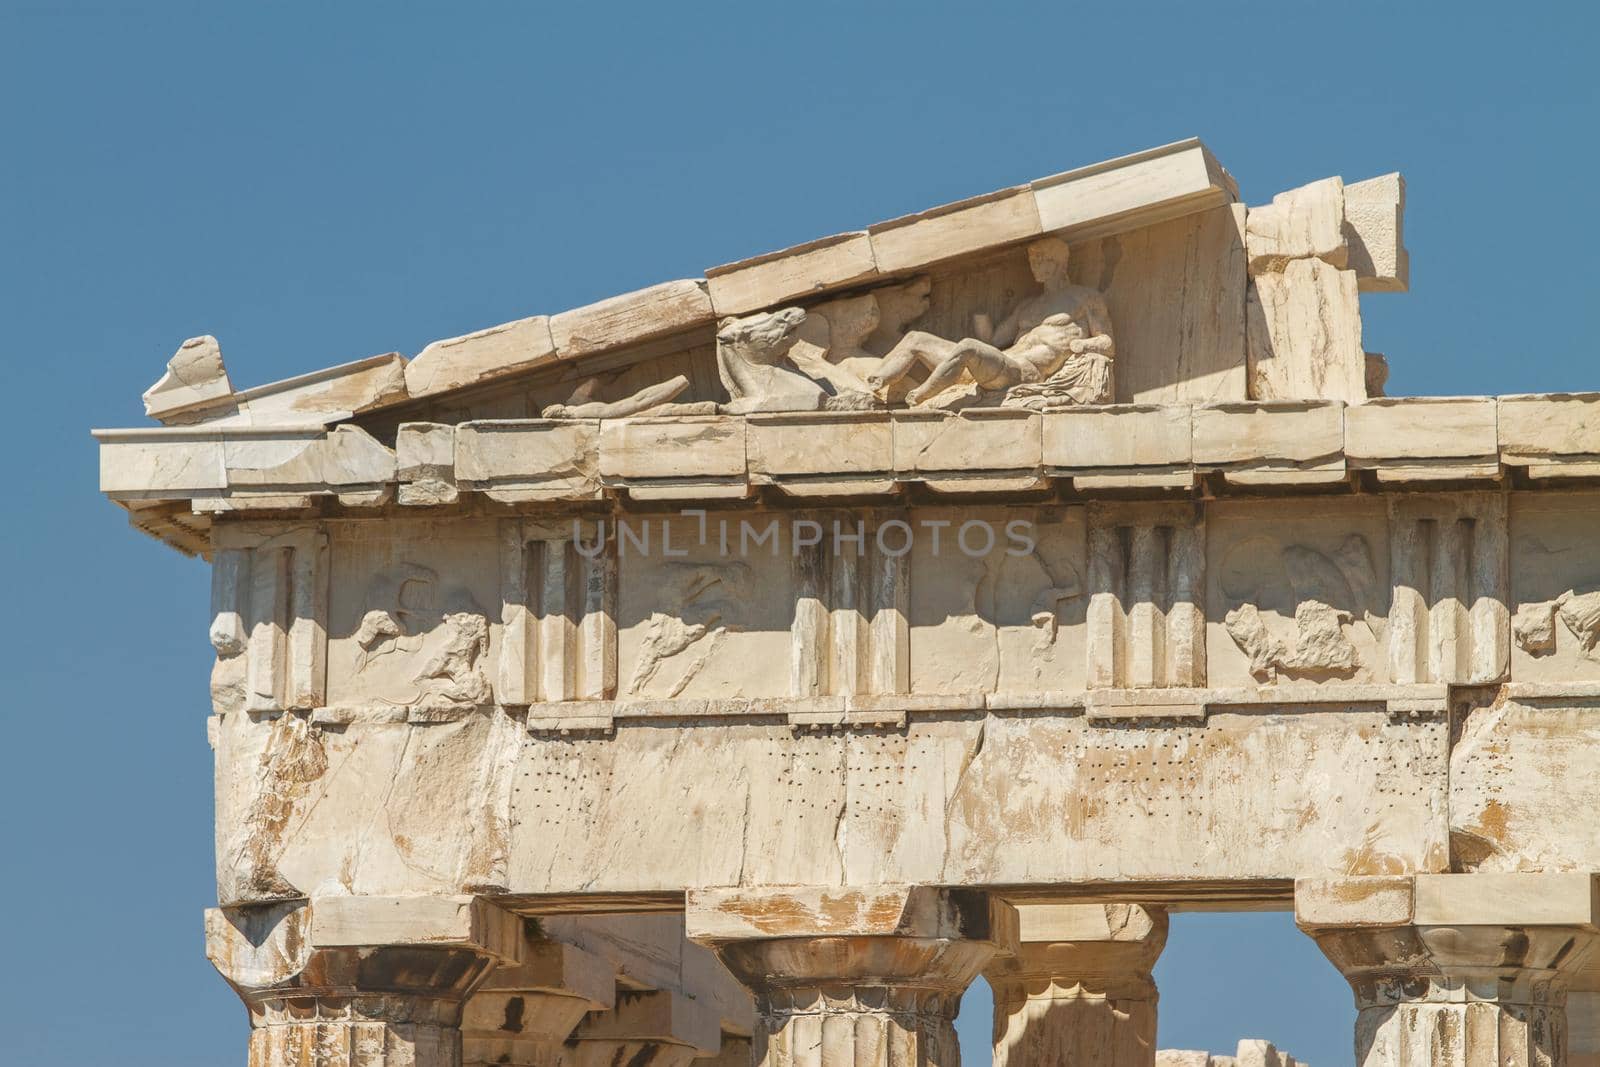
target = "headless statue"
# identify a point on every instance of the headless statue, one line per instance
(1033, 344)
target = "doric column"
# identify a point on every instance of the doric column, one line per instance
(1079, 989)
(359, 981)
(523, 1013)
(1456, 969)
(854, 977)
(646, 1028)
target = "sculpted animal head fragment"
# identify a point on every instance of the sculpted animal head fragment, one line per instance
(761, 339)
(753, 361)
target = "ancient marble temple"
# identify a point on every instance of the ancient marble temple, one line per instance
(736, 669)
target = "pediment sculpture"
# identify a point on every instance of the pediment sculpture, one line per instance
(1049, 350)
(963, 305)
(1052, 348)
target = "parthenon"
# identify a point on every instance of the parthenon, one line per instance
(736, 669)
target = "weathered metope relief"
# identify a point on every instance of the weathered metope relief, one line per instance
(437, 639)
(1555, 587)
(1002, 601)
(1535, 630)
(1319, 645)
(699, 600)
(1146, 613)
(409, 623)
(1299, 597)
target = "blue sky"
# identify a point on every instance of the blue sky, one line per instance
(317, 183)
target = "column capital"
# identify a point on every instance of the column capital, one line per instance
(1107, 948)
(1079, 986)
(1489, 937)
(1455, 969)
(799, 936)
(853, 975)
(363, 981)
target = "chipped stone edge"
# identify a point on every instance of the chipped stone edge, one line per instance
(894, 710)
(1253, 445)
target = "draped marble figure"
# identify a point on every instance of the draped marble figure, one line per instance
(1061, 336)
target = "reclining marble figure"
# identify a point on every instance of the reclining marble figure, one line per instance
(1065, 330)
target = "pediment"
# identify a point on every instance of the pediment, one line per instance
(1125, 296)
(1160, 234)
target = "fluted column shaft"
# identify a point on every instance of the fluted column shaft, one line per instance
(1079, 989)
(864, 978)
(362, 1007)
(1456, 970)
(332, 1028)
(1443, 1021)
